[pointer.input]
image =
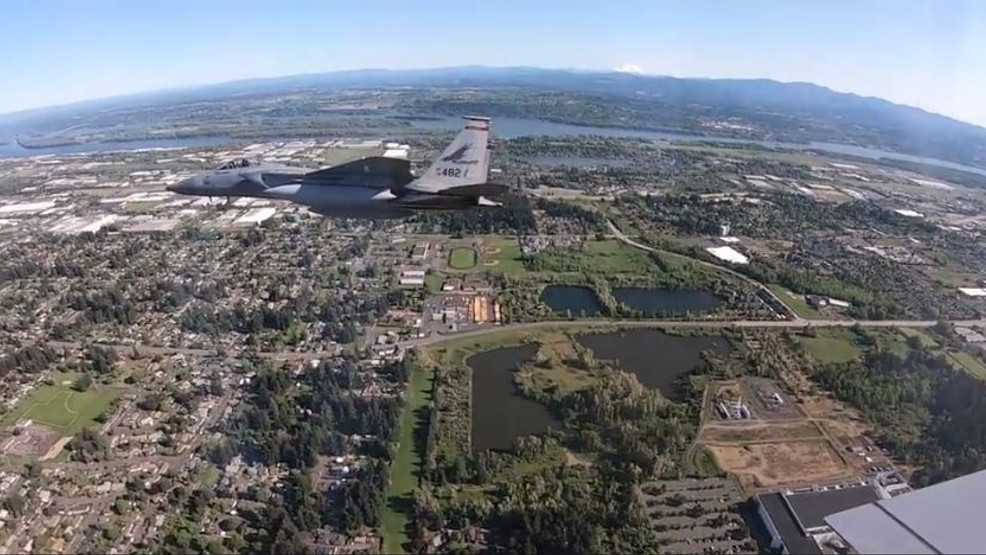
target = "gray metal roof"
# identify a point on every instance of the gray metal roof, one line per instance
(945, 518)
(782, 517)
(870, 530)
(810, 508)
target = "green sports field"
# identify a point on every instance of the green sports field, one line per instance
(62, 409)
(462, 258)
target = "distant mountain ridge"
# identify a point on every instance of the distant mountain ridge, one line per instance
(723, 91)
(762, 101)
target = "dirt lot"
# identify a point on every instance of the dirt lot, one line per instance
(753, 431)
(30, 440)
(768, 465)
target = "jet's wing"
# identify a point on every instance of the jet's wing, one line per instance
(378, 166)
(464, 163)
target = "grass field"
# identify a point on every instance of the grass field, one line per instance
(410, 454)
(831, 346)
(615, 257)
(506, 258)
(62, 409)
(893, 342)
(960, 360)
(796, 303)
(462, 258)
(969, 363)
(704, 463)
(433, 282)
(925, 340)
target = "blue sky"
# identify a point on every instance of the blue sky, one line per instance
(930, 54)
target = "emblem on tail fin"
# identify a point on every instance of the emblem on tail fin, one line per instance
(456, 157)
(458, 154)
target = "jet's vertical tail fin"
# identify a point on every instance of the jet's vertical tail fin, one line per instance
(464, 162)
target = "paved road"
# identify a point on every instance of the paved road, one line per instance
(703, 324)
(659, 324)
(619, 235)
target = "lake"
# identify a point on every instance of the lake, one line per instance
(667, 302)
(509, 128)
(580, 300)
(655, 357)
(500, 414)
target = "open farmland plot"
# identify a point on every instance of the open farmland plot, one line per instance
(766, 465)
(747, 432)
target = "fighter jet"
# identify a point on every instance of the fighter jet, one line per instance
(374, 187)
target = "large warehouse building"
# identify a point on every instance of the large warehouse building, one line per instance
(796, 519)
(944, 518)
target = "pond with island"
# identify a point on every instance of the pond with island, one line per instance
(655, 357)
(501, 414)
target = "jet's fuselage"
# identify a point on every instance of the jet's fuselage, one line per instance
(352, 198)
(371, 187)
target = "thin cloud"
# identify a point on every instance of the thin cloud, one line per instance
(629, 67)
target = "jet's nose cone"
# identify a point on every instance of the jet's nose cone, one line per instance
(185, 186)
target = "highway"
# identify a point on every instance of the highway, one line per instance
(150, 350)
(680, 324)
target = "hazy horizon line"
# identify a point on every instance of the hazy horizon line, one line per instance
(192, 87)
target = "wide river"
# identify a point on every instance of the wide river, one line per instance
(510, 128)
(12, 149)
(517, 127)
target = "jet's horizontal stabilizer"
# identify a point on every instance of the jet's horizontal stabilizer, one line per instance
(465, 162)
(396, 168)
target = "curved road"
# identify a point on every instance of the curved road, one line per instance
(619, 235)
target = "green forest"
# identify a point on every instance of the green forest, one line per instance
(925, 411)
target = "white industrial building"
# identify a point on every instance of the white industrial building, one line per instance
(729, 254)
(973, 291)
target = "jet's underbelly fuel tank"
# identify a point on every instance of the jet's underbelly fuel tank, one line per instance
(336, 195)
(342, 200)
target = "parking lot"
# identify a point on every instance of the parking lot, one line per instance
(698, 515)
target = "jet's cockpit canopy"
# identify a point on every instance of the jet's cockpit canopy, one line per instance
(236, 164)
